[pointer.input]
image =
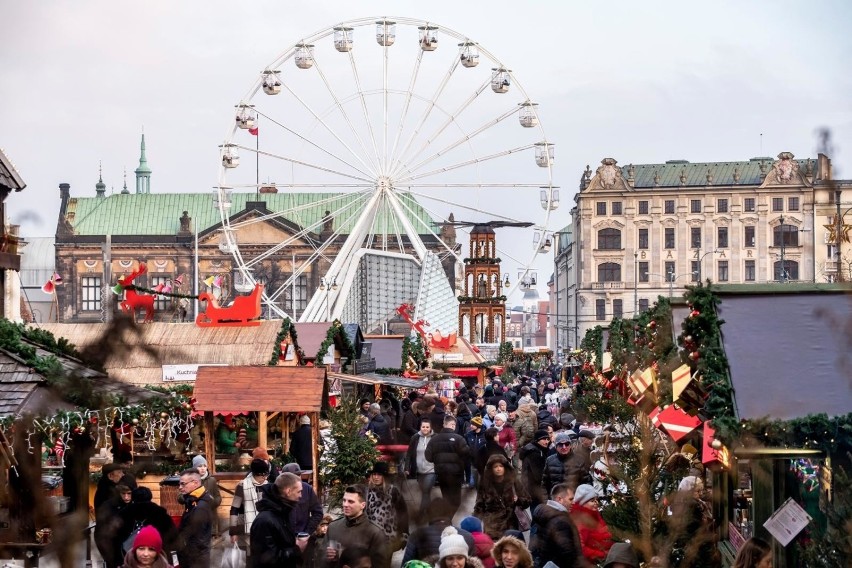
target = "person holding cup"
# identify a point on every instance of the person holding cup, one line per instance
(274, 544)
(356, 529)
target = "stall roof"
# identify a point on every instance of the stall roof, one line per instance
(157, 344)
(271, 389)
(794, 345)
(376, 379)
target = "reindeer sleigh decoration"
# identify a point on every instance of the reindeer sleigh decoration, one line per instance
(133, 300)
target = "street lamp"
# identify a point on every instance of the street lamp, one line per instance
(327, 284)
(701, 262)
(671, 277)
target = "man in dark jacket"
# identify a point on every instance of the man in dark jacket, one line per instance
(546, 418)
(564, 466)
(142, 511)
(379, 425)
(355, 529)
(556, 538)
(196, 524)
(449, 452)
(307, 512)
(424, 541)
(273, 538)
(533, 456)
(475, 438)
(301, 444)
(410, 423)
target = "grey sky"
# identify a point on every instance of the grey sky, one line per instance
(637, 81)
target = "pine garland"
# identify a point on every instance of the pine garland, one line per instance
(156, 293)
(287, 330)
(334, 330)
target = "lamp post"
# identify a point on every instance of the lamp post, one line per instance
(327, 284)
(635, 283)
(700, 270)
(670, 276)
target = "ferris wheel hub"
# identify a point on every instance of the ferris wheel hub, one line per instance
(384, 183)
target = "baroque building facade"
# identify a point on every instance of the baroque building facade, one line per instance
(641, 231)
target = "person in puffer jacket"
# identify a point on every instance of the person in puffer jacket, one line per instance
(526, 424)
(482, 542)
(545, 417)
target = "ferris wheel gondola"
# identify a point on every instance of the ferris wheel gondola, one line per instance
(370, 148)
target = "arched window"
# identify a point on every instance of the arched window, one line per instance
(791, 270)
(609, 272)
(787, 234)
(609, 239)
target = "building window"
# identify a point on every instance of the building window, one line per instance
(161, 303)
(749, 271)
(695, 237)
(301, 294)
(643, 272)
(669, 206)
(616, 207)
(670, 237)
(643, 238)
(791, 270)
(643, 207)
(792, 203)
(669, 269)
(643, 304)
(609, 239)
(721, 237)
(609, 272)
(695, 206)
(723, 271)
(749, 236)
(617, 308)
(90, 287)
(695, 272)
(748, 204)
(787, 234)
(601, 207)
(721, 206)
(778, 204)
(600, 310)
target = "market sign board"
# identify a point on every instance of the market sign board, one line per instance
(447, 357)
(186, 372)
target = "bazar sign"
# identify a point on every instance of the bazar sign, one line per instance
(189, 372)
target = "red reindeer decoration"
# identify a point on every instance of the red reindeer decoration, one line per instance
(133, 300)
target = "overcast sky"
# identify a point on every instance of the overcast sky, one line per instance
(641, 82)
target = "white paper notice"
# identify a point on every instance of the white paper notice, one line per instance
(787, 521)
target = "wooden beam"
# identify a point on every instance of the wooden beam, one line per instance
(315, 449)
(272, 416)
(209, 441)
(262, 424)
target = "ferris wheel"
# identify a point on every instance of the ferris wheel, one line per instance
(360, 143)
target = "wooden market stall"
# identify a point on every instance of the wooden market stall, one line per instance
(270, 391)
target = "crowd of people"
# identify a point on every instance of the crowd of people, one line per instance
(517, 445)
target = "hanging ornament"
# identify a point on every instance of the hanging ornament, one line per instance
(135, 421)
(694, 355)
(652, 324)
(688, 339)
(715, 444)
(695, 314)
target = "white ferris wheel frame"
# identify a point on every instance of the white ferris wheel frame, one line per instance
(376, 187)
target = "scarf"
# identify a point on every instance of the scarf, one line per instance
(250, 499)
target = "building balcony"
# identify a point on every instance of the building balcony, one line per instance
(608, 285)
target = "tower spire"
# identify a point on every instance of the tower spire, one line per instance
(100, 187)
(124, 191)
(143, 172)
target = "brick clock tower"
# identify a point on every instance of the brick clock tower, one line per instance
(482, 305)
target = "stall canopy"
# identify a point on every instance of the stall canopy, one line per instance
(376, 379)
(795, 346)
(271, 389)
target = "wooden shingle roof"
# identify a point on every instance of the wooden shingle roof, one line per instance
(271, 389)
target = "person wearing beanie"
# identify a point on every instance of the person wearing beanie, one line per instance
(564, 466)
(307, 513)
(301, 445)
(142, 511)
(246, 494)
(481, 541)
(197, 523)
(211, 486)
(453, 551)
(147, 550)
(425, 541)
(475, 438)
(506, 437)
(490, 448)
(511, 552)
(533, 455)
(621, 555)
(595, 538)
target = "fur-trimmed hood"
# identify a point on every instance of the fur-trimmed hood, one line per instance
(525, 558)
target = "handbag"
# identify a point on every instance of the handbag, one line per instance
(234, 557)
(524, 520)
(127, 545)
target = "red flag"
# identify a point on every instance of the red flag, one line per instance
(253, 131)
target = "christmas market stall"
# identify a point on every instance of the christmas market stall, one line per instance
(323, 343)
(273, 392)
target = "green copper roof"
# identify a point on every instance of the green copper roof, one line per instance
(159, 213)
(143, 161)
(696, 173)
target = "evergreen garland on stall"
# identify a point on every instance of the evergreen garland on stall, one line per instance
(287, 332)
(335, 330)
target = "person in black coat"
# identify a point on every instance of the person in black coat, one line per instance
(143, 512)
(273, 539)
(490, 448)
(424, 541)
(448, 451)
(556, 538)
(546, 418)
(196, 524)
(379, 425)
(410, 423)
(301, 445)
(533, 456)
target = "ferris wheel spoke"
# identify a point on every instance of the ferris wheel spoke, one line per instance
(407, 104)
(301, 163)
(455, 144)
(451, 119)
(363, 100)
(374, 167)
(324, 123)
(473, 185)
(402, 181)
(460, 206)
(448, 248)
(291, 210)
(426, 113)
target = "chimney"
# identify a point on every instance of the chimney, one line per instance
(64, 197)
(823, 167)
(268, 188)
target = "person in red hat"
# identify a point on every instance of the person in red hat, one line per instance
(147, 551)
